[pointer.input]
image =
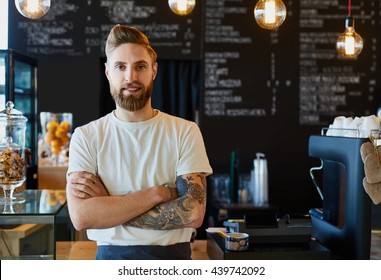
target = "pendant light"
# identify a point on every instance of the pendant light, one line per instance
(182, 7)
(349, 44)
(270, 14)
(32, 9)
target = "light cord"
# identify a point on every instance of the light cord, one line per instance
(349, 8)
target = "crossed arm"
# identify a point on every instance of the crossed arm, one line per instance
(180, 212)
(90, 205)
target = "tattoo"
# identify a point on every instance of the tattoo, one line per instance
(175, 214)
(163, 216)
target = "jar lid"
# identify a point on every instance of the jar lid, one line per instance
(12, 114)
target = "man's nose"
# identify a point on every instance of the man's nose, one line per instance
(130, 74)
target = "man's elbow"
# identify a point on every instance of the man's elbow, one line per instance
(79, 221)
(197, 218)
(198, 223)
(79, 224)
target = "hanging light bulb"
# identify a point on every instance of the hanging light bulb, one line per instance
(32, 9)
(349, 44)
(182, 7)
(270, 14)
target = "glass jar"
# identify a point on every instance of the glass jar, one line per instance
(12, 152)
(53, 146)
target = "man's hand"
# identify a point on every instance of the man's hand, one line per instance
(85, 185)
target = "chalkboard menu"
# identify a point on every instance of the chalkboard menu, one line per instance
(242, 71)
(74, 28)
(328, 85)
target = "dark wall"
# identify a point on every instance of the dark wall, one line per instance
(70, 84)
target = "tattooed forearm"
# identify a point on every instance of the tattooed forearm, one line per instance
(164, 216)
(177, 213)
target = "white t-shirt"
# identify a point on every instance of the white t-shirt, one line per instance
(129, 156)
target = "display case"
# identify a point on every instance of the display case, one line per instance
(32, 229)
(18, 83)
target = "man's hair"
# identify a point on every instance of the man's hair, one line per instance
(122, 34)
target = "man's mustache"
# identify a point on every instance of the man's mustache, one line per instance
(134, 84)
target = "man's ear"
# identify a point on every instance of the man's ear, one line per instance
(106, 71)
(154, 69)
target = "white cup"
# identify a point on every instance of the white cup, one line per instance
(369, 123)
(347, 131)
(355, 125)
(337, 126)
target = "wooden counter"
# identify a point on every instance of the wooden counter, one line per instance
(11, 240)
(86, 250)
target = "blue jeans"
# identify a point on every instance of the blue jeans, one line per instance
(179, 251)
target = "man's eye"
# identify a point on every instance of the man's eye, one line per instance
(120, 67)
(142, 67)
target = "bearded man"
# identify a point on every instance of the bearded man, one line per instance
(137, 177)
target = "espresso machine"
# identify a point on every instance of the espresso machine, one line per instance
(343, 224)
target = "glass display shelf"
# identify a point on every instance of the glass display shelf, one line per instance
(30, 230)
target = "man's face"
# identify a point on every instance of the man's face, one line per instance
(130, 73)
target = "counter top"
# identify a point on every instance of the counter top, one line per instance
(85, 250)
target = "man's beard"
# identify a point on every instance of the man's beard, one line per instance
(131, 102)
